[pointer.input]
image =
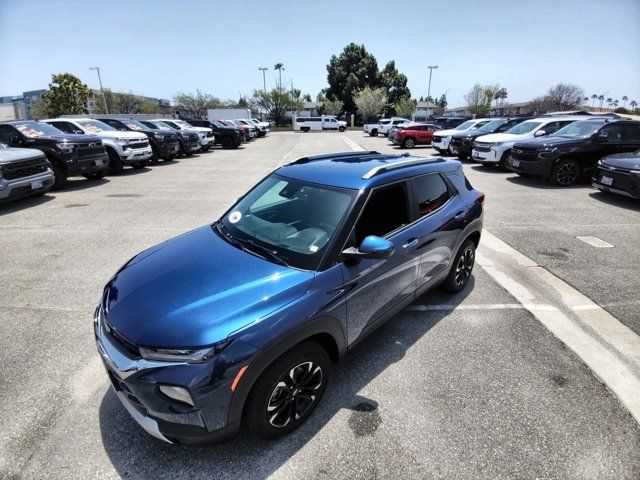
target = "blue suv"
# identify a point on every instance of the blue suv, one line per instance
(239, 322)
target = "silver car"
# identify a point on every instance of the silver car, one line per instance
(23, 172)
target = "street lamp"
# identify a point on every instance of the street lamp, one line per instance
(430, 67)
(106, 108)
(264, 80)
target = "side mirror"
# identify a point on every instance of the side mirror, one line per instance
(539, 133)
(15, 140)
(372, 247)
(601, 138)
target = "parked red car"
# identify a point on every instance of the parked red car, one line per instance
(415, 134)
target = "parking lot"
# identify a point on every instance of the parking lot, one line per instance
(474, 385)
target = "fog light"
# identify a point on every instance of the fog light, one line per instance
(177, 393)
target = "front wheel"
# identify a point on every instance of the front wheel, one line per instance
(227, 143)
(373, 133)
(408, 143)
(288, 391)
(96, 175)
(566, 173)
(115, 163)
(341, 129)
(461, 269)
(503, 160)
(60, 177)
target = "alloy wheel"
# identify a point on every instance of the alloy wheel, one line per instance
(294, 394)
(464, 266)
(567, 174)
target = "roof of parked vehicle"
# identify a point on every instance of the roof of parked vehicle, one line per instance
(363, 169)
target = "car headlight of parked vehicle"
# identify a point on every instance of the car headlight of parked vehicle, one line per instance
(496, 144)
(547, 152)
(67, 147)
(122, 141)
(183, 355)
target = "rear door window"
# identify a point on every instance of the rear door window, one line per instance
(430, 193)
(631, 133)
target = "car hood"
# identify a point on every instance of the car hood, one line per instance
(467, 133)
(9, 154)
(542, 142)
(629, 160)
(195, 290)
(502, 137)
(120, 134)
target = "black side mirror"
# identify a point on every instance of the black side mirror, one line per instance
(372, 247)
(15, 140)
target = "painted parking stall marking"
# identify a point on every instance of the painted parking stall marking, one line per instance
(595, 242)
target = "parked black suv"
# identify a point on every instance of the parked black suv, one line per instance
(450, 122)
(188, 140)
(619, 173)
(228, 137)
(165, 144)
(69, 155)
(462, 143)
(574, 149)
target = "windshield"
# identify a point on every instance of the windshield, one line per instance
(524, 127)
(218, 124)
(182, 123)
(95, 126)
(384, 122)
(161, 126)
(134, 125)
(465, 126)
(491, 126)
(292, 218)
(578, 130)
(37, 129)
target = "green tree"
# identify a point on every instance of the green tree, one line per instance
(321, 97)
(406, 107)
(395, 84)
(276, 102)
(330, 107)
(128, 103)
(594, 97)
(279, 66)
(479, 100)
(350, 72)
(625, 99)
(67, 95)
(149, 107)
(306, 98)
(196, 105)
(370, 102)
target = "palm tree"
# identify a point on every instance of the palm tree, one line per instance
(601, 98)
(586, 100)
(625, 99)
(279, 66)
(615, 103)
(633, 104)
(594, 97)
(609, 101)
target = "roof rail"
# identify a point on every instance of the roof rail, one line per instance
(404, 163)
(314, 158)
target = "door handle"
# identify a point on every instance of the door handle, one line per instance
(413, 242)
(460, 215)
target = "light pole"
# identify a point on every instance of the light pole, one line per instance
(264, 80)
(430, 67)
(106, 108)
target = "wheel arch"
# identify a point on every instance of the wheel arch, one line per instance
(325, 331)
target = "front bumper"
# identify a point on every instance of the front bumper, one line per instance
(132, 155)
(461, 149)
(621, 183)
(538, 168)
(442, 144)
(206, 141)
(26, 186)
(136, 382)
(87, 165)
(167, 149)
(482, 156)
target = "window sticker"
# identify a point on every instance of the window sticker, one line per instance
(234, 217)
(313, 248)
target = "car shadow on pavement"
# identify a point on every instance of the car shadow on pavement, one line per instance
(83, 184)
(28, 202)
(616, 200)
(541, 183)
(135, 454)
(488, 169)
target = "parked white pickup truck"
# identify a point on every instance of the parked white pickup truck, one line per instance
(306, 124)
(383, 125)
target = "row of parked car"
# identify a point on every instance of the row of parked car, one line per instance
(561, 149)
(36, 156)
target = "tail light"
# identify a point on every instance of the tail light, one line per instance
(480, 198)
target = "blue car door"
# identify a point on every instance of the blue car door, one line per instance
(373, 287)
(443, 215)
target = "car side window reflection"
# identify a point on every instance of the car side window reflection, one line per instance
(431, 192)
(386, 211)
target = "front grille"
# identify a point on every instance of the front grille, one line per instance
(437, 138)
(622, 180)
(118, 339)
(89, 150)
(456, 142)
(525, 153)
(138, 144)
(24, 168)
(209, 134)
(171, 139)
(482, 147)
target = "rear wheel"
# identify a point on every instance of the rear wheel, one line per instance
(408, 143)
(96, 175)
(115, 164)
(462, 267)
(227, 143)
(139, 165)
(169, 158)
(288, 391)
(566, 173)
(60, 177)
(373, 133)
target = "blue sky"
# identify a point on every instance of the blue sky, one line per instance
(160, 47)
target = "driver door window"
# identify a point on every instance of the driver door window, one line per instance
(7, 133)
(387, 210)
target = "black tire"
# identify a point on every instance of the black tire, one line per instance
(96, 175)
(169, 158)
(487, 164)
(305, 129)
(373, 133)
(275, 391)
(409, 142)
(60, 177)
(503, 160)
(566, 172)
(115, 164)
(341, 129)
(461, 268)
(155, 159)
(139, 165)
(227, 143)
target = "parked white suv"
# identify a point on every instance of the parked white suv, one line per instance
(442, 139)
(495, 148)
(124, 148)
(386, 124)
(205, 134)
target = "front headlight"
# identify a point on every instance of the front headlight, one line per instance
(183, 355)
(160, 137)
(497, 144)
(67, 147)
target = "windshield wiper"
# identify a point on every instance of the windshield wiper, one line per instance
(242, 245)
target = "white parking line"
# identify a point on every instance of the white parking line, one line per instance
(352, 145)
(595, 242)
(608, 347)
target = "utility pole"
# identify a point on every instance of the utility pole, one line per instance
(430, 67)
(106, 108)
(264, 79)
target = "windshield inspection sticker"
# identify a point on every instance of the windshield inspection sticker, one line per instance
(234, 217)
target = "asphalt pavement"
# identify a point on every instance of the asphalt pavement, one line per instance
(469, 386)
